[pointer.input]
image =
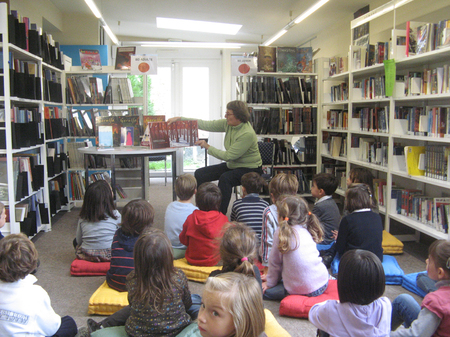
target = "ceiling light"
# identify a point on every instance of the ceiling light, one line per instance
(297, 20)
(108, 31)
(93, 8)
(198, 26)
(311, 10)
(220, 45)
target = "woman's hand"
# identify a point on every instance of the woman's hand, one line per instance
(203, 144)
(264, 287)
(173, 119)
(335, 234)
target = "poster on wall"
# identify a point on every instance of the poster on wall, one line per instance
(144, 64)
(243, 66)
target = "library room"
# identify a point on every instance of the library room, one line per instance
(245, 138)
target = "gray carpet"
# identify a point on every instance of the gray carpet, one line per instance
(70, 295)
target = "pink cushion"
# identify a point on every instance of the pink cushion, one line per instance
(87, 268)
(299, 306)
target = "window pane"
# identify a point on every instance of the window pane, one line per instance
(159, 93)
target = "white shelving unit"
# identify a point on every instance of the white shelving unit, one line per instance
(395, 135)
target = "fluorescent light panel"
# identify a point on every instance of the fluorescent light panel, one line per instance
(383, 9)
(198, 26)
(93, 8)
(163, 44)
(111, 35)
(297, 20)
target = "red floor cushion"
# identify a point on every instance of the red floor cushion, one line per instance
(87, 268)
(299, 306)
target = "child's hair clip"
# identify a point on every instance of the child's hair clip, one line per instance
(286, 219)
(309, 213)
(245, 258)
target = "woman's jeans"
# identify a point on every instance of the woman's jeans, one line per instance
(405, 309)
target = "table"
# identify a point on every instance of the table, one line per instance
(135, 151)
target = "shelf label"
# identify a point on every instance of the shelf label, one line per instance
(144, 64)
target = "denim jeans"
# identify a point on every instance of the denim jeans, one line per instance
(425, 283)
(278, 292)
(405, 310)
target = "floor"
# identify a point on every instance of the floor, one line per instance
(70, 295)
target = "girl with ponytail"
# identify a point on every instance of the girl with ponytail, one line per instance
(238, 251)
(295, 268)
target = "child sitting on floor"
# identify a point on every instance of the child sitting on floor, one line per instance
(433, 317)
(281, 184)
(325, 208)
(25, 308)
(99, 220)
(137, 216)
(178, 211)
(295, 267)
(251, 207)
(361, 310)
(238, 251)
(203, 227)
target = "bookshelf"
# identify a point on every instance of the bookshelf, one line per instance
(283, 108)
(23, 151)
(380, 127)
(85, 102)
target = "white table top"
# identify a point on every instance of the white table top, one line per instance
(127, 150)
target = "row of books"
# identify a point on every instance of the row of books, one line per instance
(304, 177)
(28, 36)
(284, 121)
(106, 175)
(30, 213)
(57, 193)
(303, 151)
(370, 150)
(273, 90)
(85, 90)
(369, 88)
(23, 80)
(429, 82)
(369, 54)
(338, 93)
(335, 144)
(423, 37)
(285, 59)
(52, 87)
(337, 119)
(373, 119)
(56, 159)
(431, 211)
(77, 185)
(431, 121)
(431, 161)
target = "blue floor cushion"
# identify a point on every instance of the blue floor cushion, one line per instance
(394, 274)
(409, 283)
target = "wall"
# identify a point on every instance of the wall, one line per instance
(37, 10)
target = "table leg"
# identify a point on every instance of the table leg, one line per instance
(174, 174)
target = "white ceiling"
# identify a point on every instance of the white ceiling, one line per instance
(260, 19)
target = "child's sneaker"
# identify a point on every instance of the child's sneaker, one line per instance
(93, 325)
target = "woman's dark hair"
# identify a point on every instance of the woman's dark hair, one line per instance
(439, 251)
(153, 269)
(358, 196)
(208, 197)
(363, 175)
(361, 278)
(240, 110)
(18, 257)
(98, 202)
(137, 215)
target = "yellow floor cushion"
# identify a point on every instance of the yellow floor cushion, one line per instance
(106, 301)
(273, 328)
(391, 245)
(194, 273)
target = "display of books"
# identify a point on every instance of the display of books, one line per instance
(108, 131)
(129, 130)
(90, 59)
(178, 134)
(267, 59)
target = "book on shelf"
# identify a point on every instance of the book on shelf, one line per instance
(181, 133)
(437, 162)
(82, 123)
(267, 59)
(90, 59)
(96, 175)
(123, 57)
(146, 119)
(415, 160)
(294, 59)
(76, 158)
(77, 185)
(119, 91)
(411, 36)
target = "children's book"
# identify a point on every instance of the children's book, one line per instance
(287, 59)
(108, 131)
(123, 57)
(90, 59)
(177, 134)
(304, 60)
(129, 130)
(411, 36)
(415, 160)
(146, 129)
(267, 59)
